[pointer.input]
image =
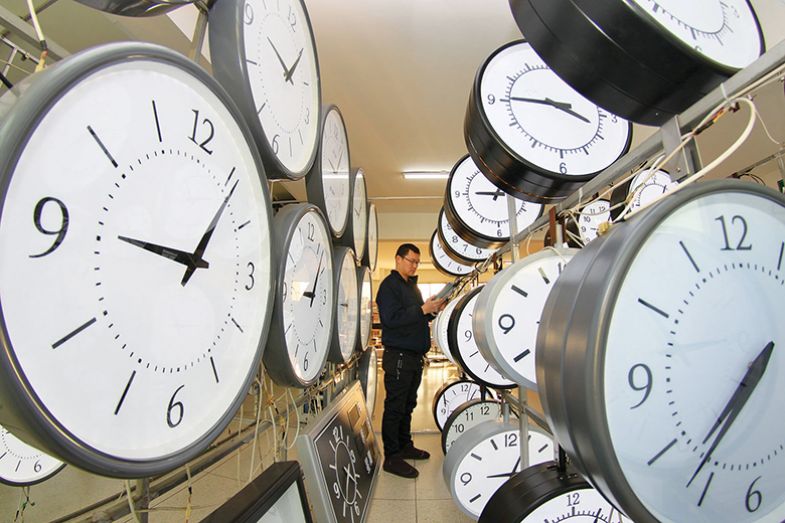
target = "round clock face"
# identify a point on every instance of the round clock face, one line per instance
(443, 262)
(507, 315)
(366, 306)
(466, 416)
(463, 344)
(581, 505)
(335, 171)
(21, 464)
(145, 232)
(359, 214)
(693, 427)
(343, 475)
(485, 458)
(724, 31)
(590, 218)
(544, 120)
(647, 186)
(456, 247)
(368, 373)
(454, 394)
(372, 249)
(346, 306)
(477, 209)
(441, 329)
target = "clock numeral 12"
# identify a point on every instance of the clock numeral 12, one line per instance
(203, 144)
(740, 245)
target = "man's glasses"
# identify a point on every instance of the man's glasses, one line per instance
(413, 262)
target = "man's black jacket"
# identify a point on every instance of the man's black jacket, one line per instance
(404, 326)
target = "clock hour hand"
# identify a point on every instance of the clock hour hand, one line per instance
(312, 293)
(288, 74)
(562, 106)
(731, 411)
(278, 55)
(176, 255)
(502, 475)
(495, 194)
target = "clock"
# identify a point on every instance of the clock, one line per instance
(452, 395)
(22, 465)
(137, 284)
(440, 325)
(367, 373)
(135, 7)
(642, 189)
(591, 217)
(466, 416)
(477, 210)
(372, 239)
(507, 315)
(357, 230)
(485, 457)
(328, 185)
(365, 293)
(463, 344)
(341, 459)
(442, 262)
(686, 426)
(303, 314)
(277, 494)
(264, 54)
(644, 60)
(533, 135)
(544, 492)
(346, 305)
(456, 247)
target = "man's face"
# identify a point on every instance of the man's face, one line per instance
(407, 265)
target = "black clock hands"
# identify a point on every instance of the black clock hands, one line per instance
(743, 392)
(176, 255)
(288, 74)
(562, 106)
(507, 474)
(312, 293)
(495, 194)
(278, 55)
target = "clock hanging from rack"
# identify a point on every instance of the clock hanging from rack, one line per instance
(442, 261)
(22, 465)
(357, 228)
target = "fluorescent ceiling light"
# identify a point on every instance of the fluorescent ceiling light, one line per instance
(426, 175)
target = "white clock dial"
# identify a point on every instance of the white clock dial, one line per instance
(335, 171)
(466, 416)
(457, 245)
(485, 458)
(366, 306)
(725, 31)
(583, 505)
(544, 120)
(507, 315)
(443, 262)
(144, 233)
(347, 306)
(21, 464)
(591, 217)
(481, 208)
(367, 374)
(359, 214)
(442, 328)
(647, 186)
(454, 394)
(372, 249)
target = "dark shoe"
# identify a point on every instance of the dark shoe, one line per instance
(396, 465)
(413, 453)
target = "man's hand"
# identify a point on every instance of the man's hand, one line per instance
(432, 305)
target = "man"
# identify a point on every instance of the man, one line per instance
(406, 338)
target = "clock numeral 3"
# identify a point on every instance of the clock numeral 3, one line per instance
(739, 246)
(206, 121)
(175, 406)
(60, 233)
(250, 276)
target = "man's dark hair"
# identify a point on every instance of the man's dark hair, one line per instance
(405, 248)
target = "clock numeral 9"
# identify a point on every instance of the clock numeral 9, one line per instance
(175, 406)
(468, 335)
(511, 440)
(203, 144)
(491, 99)
(337, 491)
(753, 495)
(644, 387)
(740, 246)
(466, 478)
(60, 233)
(249, 17)
(506, 323)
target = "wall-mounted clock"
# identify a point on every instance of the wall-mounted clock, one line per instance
(484, 458)
(463, 344)
(646, 60)
(144, 229)
(442, 261)
(22, 465)
(477, 210)
(365, 307)
(642, 189)
(328, 185)
(544, 492)
(589, 219)
(507, 315)
(372, 239)
(357, 229)
(346, 304)
(264, 54)
(452, 395)
(456, 247)
(135, 7)
(367, 374)
(303, 314)
(533, 135)
(466, 416)
(341, 459)
(687, 426)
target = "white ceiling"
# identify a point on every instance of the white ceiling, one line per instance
(401, 72)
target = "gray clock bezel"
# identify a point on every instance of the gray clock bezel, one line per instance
(362, 273)
(334, 354)
(348, 239)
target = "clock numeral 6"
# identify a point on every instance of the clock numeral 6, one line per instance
(739, 246)
(60, 233)
(175, 406)
(37, 467)
(645, 387)
(466, 478)
(563, 168)
(203, 144)
(305, 362)
(754, 497)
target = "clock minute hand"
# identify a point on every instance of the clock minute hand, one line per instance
(567, 108)
(288, 74)
(312, 293)
(278, 55)
(176, 255)
(731, 411)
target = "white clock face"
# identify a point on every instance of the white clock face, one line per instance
(507, 328)
(443, 262)
(590, 218)
(544, 120)
(694, 411)
(346, 312)
(647, 186)
(308, 296)
(21, 464)
(359, 214)
(491, 462)
(482, 207)
(469, 354)
(335, 171)
(136, 261)
(467, 416)
(581, 505)
(370, 361)
(366, 306)
(725, 31)
(452, 397)
(373, 237)
(460, 246)
(442, 328)
(284, 78)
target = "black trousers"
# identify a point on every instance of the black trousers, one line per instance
(402, 377)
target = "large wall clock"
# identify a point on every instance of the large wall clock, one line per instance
(477, 210)
(485, 457)
(365, 293)
(341, 459)
(136, 288)
(507, 315)
(328, 185)
(452, 395)
(21, 464)
(303, 314)
(264, 54)
(665, 385)
(466, 416)
(442, 261)
(645, 60)
(456, 247)
(357, 229)
(533, 135)
(346, 304)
